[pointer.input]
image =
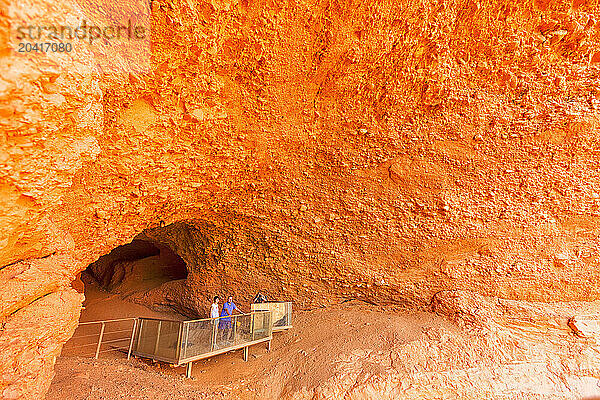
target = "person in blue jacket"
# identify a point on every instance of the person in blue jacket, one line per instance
(225, 323)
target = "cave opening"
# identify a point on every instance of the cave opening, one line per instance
(139, 272)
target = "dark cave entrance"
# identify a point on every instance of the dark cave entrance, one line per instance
(177, 268)
(142, 272)
(159, 264)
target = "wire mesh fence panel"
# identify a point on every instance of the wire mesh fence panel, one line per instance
(261, 325)
(243, 329)
(207, 336)
(184, 341)
(224, 336)
(280, 315)
(158, 339)
(281, 312)
(168, 339)
(198, 337)
(145, 342)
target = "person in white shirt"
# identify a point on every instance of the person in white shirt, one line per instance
(214, 308)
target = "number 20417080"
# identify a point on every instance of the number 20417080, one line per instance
(45, 47)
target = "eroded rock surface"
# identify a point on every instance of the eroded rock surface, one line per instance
(499, 349)
(320, 151)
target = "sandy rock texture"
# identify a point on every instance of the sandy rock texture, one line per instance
(318, 150)
(498, 349)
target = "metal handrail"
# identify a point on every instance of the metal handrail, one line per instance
(160, 319)
(210, 319)
(102, 334)
(107, 320)
(285, 314)
(183, 336)
(179, 336)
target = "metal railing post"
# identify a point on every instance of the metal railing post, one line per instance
(157, 337)
(132, 338)
(100, 340)
(234, 328)
(180, 342)
(187, 338)
(213, 338)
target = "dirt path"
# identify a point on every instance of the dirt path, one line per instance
(300, 359)
(503, 349)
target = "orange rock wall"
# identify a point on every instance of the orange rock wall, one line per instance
(378, 150)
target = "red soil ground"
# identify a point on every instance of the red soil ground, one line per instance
(300, 359)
